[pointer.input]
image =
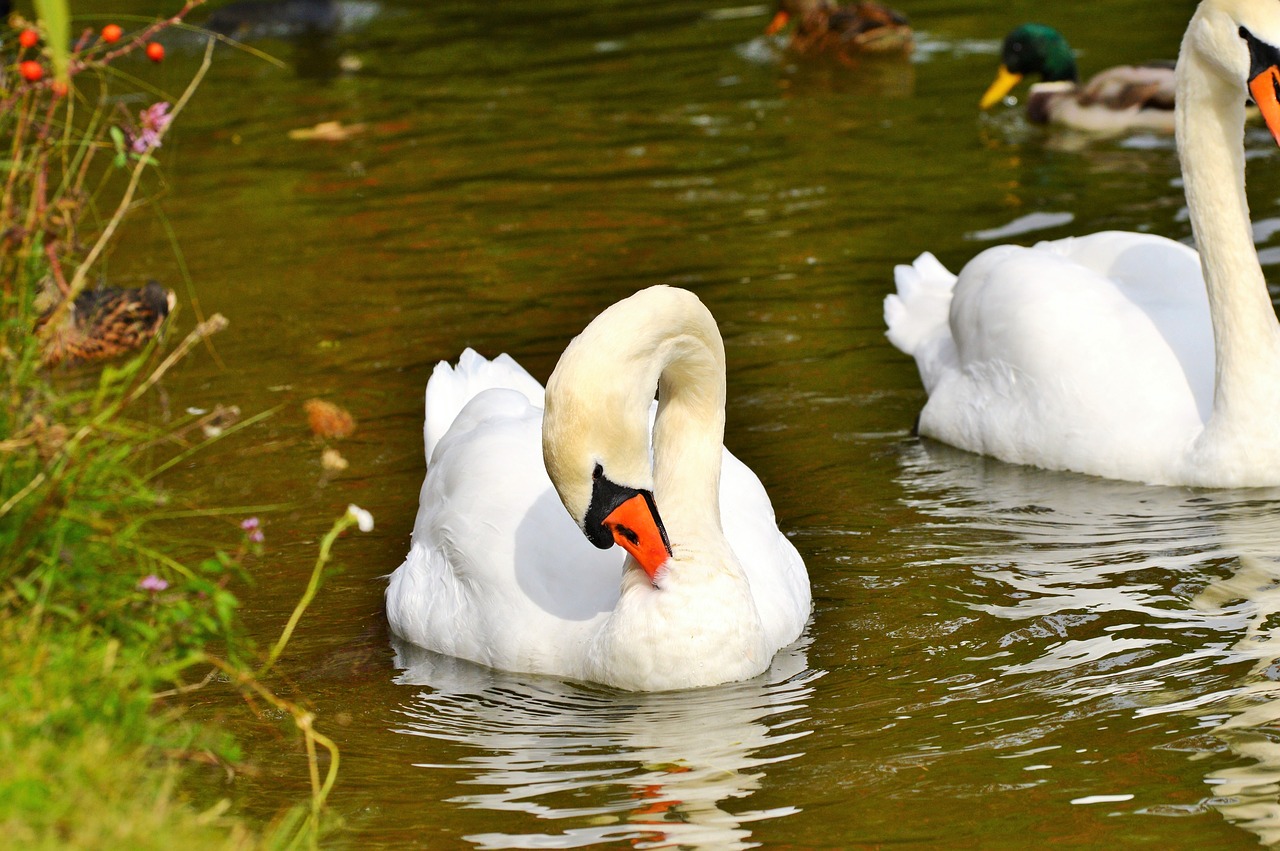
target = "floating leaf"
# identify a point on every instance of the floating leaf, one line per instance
(327, 131)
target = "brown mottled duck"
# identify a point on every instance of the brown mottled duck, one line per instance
(105, 322)
(823, 28)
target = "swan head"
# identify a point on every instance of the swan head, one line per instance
(1239, 42)
(591, 462)
(595, 427)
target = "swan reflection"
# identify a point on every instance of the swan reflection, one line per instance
(1151, 601)
(655, 770)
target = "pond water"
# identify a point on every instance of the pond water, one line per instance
(998, 656)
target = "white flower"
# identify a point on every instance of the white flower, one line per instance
(363, 518)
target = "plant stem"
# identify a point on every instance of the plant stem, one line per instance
(313, 586)
(81, 276)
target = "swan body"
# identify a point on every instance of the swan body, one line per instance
(1123, 98)
(500, 573)
(1123, 355)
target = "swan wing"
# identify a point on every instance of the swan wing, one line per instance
(497, 572)
(1085, 354)
(776, 573)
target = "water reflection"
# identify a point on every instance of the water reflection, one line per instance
(1156, 602)
(654, 770)
(1249, 794)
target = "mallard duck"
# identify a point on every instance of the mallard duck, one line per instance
(1121, 98)
(105, 322)
(1124, 355)
(822, 27)
(512, 563)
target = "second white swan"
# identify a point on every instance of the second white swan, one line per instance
(1122, 354)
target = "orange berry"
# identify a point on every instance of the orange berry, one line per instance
(28, 38)
(111, 33)
(58, 88)
(31, 70)
(155, 51)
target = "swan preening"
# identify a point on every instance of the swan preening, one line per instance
(500, 573)
(1118, 354)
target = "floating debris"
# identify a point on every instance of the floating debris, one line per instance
(332, 460)
(327, 131)
(328, 420)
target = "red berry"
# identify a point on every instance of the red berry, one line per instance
(155, 51)
(111, 33)
(31, 70)
(28, 38)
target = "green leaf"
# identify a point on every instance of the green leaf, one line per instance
(117, 138)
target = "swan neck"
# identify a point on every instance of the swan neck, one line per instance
(688, 435)
(1210, 136)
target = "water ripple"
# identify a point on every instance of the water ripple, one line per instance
(654, 770)
(1151, 602)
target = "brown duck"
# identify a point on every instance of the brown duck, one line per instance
(106, 322)
(822, 27)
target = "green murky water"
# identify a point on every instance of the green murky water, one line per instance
(998, 657)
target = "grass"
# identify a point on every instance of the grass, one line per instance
(103, 631)
(86, 761)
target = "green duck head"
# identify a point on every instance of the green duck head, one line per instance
(1031, 49)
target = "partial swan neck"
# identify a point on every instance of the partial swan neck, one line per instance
(1210, 134)
(688, 435)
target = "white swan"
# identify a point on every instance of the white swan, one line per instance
(1111, 354)
(499, 573)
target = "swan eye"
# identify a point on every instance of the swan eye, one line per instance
(597, 473)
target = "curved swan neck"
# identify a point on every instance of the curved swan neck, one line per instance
(599, 397)
(1210, 136)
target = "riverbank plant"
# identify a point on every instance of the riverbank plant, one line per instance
(103, 630)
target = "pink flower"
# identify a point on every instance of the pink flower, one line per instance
(254, 528)
(153, 583)
(155, 119)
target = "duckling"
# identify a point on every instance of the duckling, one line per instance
(822, 27)
(1126, 97)
(105, 322)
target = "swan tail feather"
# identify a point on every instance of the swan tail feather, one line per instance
(919, 311)
(451, 387)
